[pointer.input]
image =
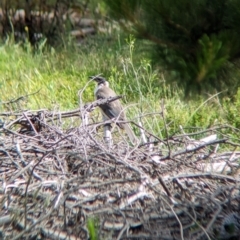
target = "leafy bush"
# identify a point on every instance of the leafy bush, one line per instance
(196, 40)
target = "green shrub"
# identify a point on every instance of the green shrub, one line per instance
(194, 40)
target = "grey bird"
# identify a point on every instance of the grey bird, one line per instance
(113, 109)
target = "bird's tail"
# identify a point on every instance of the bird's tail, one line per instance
(130, 133)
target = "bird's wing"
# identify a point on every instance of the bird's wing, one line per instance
(112, 109)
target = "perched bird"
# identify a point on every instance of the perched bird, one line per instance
(113, 109)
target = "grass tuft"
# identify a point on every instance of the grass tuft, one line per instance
(51, 78)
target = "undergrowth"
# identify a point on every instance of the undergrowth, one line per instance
(51, 78)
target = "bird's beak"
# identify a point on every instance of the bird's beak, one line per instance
(93, 78)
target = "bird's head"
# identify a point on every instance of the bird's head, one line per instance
(99, 80)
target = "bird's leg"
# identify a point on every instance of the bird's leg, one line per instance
(108, 135)
(85, 118)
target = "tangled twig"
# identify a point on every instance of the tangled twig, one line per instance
(54, 176)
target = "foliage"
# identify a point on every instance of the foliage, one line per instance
(56, 75)
(194, 39)
(54, 79)
(231, 109)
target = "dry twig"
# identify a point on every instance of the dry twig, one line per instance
(53, 177)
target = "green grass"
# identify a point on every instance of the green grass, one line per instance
(92, 225)
(58, 75)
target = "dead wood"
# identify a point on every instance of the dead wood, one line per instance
(57, 173)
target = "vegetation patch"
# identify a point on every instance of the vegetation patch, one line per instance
(63, 181)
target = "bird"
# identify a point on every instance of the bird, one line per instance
(112, 109)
